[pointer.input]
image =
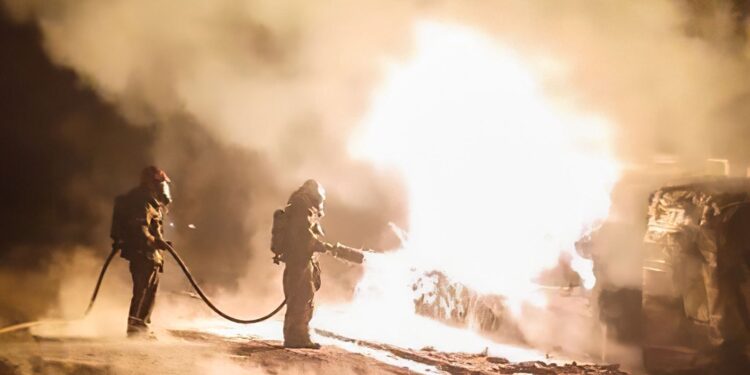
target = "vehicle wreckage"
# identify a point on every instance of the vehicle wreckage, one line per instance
(692, 312)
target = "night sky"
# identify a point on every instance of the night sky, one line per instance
(55, 132)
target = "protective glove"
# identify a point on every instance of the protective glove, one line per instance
(161, 244)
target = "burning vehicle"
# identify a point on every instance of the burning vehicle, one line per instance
(692, 312)
(696, 276)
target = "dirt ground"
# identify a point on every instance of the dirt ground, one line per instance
(183, 353)
(187, 352)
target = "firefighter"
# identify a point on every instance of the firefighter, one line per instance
(137, 230)
(302, 272)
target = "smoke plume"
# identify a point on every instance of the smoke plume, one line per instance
(241, 101)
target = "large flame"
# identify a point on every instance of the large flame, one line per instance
(501, 179)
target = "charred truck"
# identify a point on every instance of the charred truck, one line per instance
(688, 311)
(696, 277)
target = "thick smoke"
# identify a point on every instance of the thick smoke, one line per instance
(206, 111)
(282, 78)
(660, 71)
(243, 100)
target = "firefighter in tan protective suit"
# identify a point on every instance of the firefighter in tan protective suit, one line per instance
(137, 230)
(302, 234)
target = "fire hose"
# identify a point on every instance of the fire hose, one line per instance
(207, 300)
(338, 250)
(187, 273)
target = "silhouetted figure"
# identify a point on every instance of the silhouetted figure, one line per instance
(137, 230)
(302, 232)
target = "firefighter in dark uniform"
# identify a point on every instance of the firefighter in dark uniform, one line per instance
(302, 272)
(138, 232)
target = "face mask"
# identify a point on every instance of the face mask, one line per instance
(163, 193)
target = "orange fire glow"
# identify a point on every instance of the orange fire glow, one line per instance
(501, 180)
